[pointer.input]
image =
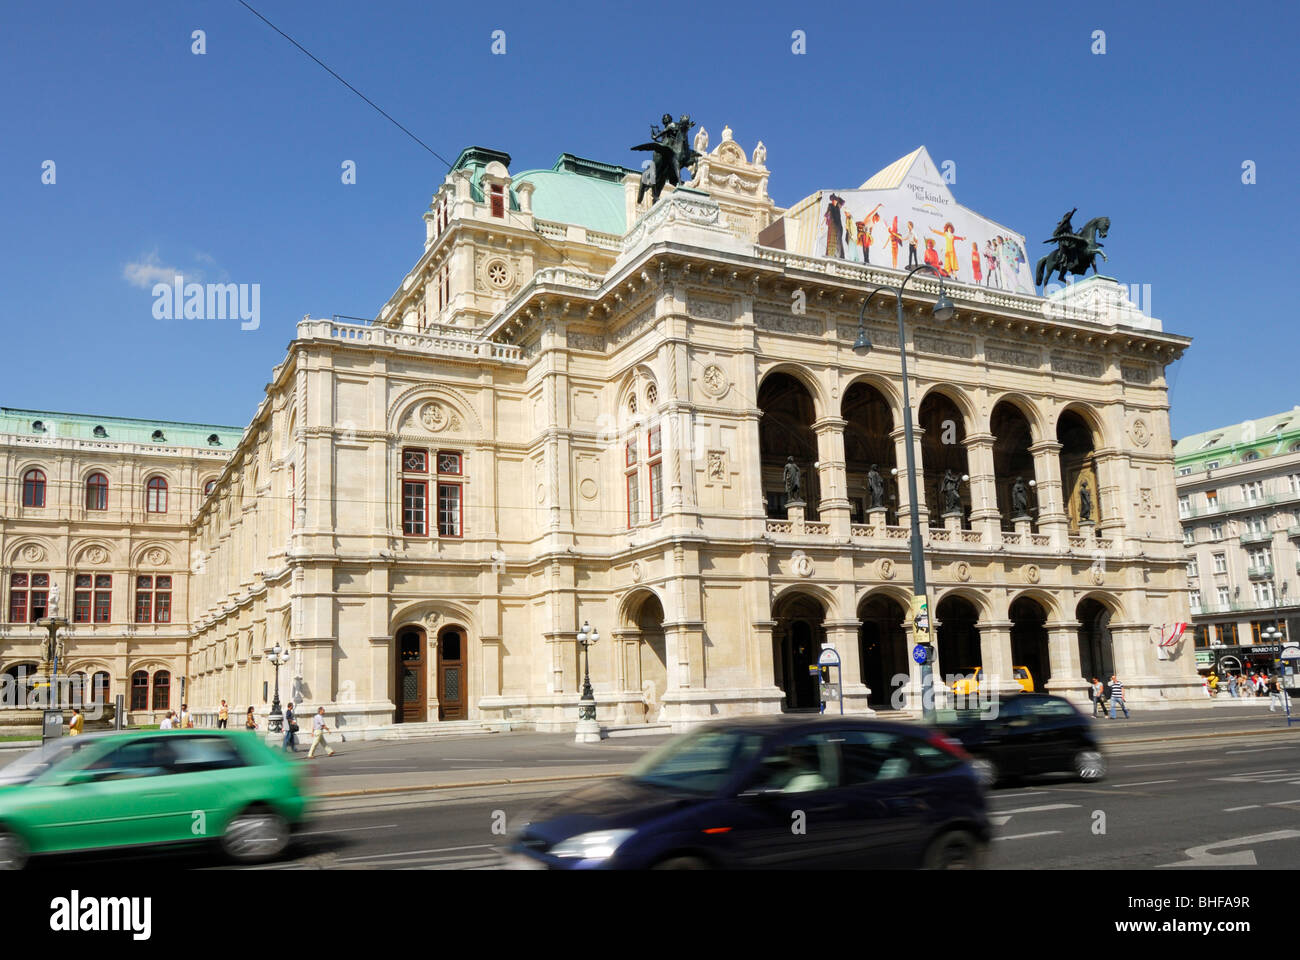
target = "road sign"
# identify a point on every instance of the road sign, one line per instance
(1291, 653)
(829, 658)
(919, 653)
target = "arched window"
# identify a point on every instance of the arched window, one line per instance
(97, 492)
(140, 690)
(208, 487)
(162, 689)
(156, 495)
(34, 488)
(99, 687)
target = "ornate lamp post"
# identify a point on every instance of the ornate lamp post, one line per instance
(275, 720)
(943, 310)
(588, 730)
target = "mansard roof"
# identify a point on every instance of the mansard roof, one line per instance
(584, 192)
(83, 426)
(1266, 436)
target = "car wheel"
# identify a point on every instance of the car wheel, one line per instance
(986, 771)
(13, 852)
(954, 850)
(256, 834)
(681, 863)
(1089, 765)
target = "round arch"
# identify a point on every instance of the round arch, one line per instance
(804, 376)
(1029, 410)
(407, 403)
(898, 594)
(629, 606)
(882, 385)
(1090, 417)
(816, 591)
(1055, 612)
(14, 557)
(983, 606)
(799, 612)
(959, 398)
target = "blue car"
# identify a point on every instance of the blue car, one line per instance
(772, 793)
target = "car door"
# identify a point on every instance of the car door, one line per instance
(123, 798)
(213, 782)
(1007, 737)
(1057, 735)
(791, 813)
(890, 801)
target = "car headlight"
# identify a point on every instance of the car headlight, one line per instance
(598, 845)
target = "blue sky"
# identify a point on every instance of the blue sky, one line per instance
(227, 165)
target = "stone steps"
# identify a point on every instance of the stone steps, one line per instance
(430, 730)
(636, 730)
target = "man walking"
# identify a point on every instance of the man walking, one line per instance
(1117, 696)
(290, 729)
(1275, 694)
(223, 715)
(319, 728)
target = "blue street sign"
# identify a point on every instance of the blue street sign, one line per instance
(918, 653)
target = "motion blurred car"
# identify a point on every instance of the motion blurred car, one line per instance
(968, 685)
(772, 793)
(148, 788)
(1025, 735)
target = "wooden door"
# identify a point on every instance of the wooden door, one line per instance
(451, 675)
(411, 674)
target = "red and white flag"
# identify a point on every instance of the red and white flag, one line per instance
(1179, 629)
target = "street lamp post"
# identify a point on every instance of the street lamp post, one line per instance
(943, 310)
(588, 730)
(275, 720)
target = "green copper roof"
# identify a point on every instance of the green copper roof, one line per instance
(579, 191)
(81, 426)
(1267, 437)
(475, 160)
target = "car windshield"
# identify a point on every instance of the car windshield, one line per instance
(699, 763)
(32, 765)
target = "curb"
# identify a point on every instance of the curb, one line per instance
(1194, 736)
(496, 782)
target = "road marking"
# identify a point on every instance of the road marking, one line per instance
(1046, 806)
(1249, 806)
(1258, 750)
(470, 760)
(411, 853)
(1171, 763)
(326, 833)
(1022, 836)
(1018, 796)
(1201, 856)
(1143, 783)
(1283, 803)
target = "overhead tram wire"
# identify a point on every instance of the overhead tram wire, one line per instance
(387, 116)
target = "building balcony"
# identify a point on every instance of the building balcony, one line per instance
(1262, 572)
(1256, 537)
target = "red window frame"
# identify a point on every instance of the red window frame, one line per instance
(208, 487)
(633, 500)
(411, 526)
(29, 597)
(82, 587)
(457, 465)
(162, 599)
(293, 496)
(140, 690)
(446, 531)
(415, 460)
(654, 445)
(97, 492)
(103, 609)
(498, 200)
(162, 691)
(144, 599)
(155, 498)
(34, 488)
(656, 490)
(19, 584)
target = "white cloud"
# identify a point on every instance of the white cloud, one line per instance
(149, 269)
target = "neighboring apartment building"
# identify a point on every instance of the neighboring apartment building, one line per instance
(102, 508)
(1239, 503)
(577, 407)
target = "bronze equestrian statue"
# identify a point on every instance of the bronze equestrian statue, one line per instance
(673, 155)
(1075, 252)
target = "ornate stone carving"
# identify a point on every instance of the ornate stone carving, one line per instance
(438, 417)
(803, 564)
(1079, 366)
(156, 557)
(1032, 573)
(716, 469)
(637, 571)
(788, 323)
(708, 309)
(95, 555)
(885, 568)
(588, 489)
(944, 346)
(32, 553)
(1011, 356)
(1140, 433)
(961, 570)
(713, 381)
(879, 337)
(633, 326)
(1135, 374)
(587, 341)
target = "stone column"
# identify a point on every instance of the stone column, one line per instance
(1113, 495)
(984, 515)
(626, 678)
(1052, 518)
(997, 678)
(842, 636)
(900, 459)
(1067, 669)
(764, 668)
(834, 505)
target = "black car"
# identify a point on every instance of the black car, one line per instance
(772, 793)
(1027, 734)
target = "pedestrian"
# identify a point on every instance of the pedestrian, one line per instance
(1105, 697)
(319, 729)
(1117, 696)
(223, 716)
(250, 721)
(1213, 684)
(1275, 694)
(290, 729)
(1232, 685)
(1261, 685)
(77, 723)
(168, 722)
(187, 720)
(1094, 693)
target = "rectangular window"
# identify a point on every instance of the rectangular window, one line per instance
(1212, 465)
(1263, 592)
(18, 585)
(630, 459)
(1252, 492)
(1194, 600)
(103, 598)
(654, 443)
(140, 691)
(39, 596)
(1184, 471)
(656, 490)
(415, 461)
(1216, 531)
(1212, 499)
(1192, 569)
(1220, 563)
(498, 200)
(1202, 634)
(449, 514)
(1189, 536)
(1224, 598)
(1295, 482)
(415, 509)
(143, 599)
(633, 500)
(82, 584)
(1184, 505)
(162, 600)
(449, 463)
(1227, 634)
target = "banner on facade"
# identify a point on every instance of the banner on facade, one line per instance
(905, 215)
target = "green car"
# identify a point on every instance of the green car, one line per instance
(151, 787)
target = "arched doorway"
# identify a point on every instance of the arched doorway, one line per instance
(16, 684)
(1096, 652)
(943, 448)
(797, 641)
(651, 656)
(959, 637)
(1078, 469)
(1012, 460)
(867, 443)
(411, 695)
(882, 643)
(1029, 640)
(786, 431)
(451, 674)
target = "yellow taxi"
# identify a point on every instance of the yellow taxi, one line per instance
(968, 685)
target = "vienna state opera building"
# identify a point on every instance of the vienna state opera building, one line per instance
(581, 407)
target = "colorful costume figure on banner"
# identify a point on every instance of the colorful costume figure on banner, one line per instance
(895, 241)
(851, 228)
(932, 256)
(1013, 257)
(975, 260)
(834, 227)
(990, 263)
(950, 239)
(865, 239)
(911, 245)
